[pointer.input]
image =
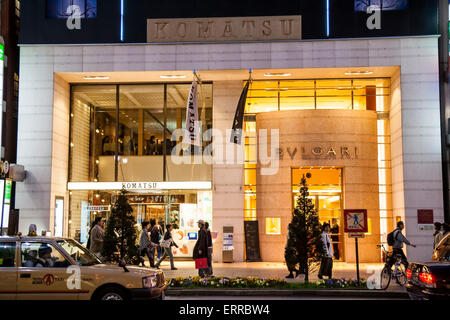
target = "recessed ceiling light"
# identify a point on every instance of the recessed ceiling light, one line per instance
(358, 73)
(173, 76)
(276, 89)
(97, 78)
(277, 74)
(350, 88)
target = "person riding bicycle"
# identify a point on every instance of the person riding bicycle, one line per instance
(397, 247)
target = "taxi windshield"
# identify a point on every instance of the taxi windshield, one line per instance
(81, 255)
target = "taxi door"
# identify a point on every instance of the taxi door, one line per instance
(42, 274)
(8, 270)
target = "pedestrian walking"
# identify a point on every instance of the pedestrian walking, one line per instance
(154, 238)
(146, 247)
(210, 249)
(326, 265)
(94, 223)
(97, 235)
(201, 248)
(167, 243)
(159, 249)
(437, 235)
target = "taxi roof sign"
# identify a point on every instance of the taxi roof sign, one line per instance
(355, 221)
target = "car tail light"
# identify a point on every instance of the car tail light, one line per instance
(427, 278)
(408, 273)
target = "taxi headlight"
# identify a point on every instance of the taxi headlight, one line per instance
(149, 282)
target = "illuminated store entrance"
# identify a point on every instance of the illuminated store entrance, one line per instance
(180, 208)
(325, 191)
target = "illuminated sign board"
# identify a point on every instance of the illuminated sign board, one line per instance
(139, 186)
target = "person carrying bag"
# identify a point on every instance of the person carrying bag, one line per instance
(200, 253)
(166, 244)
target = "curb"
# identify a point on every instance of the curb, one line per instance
(287, 293)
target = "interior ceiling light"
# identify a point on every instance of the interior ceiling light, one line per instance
(277, 74)
(97, 78)
(350, 88)
(276, 89)
(173, 76)
(358, 73)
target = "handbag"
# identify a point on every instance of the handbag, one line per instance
(201, 263)
(165, 243)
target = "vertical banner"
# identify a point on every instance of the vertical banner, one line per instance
(192, 131)
(238, 123)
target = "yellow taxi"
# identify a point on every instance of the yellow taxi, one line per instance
(46, 268)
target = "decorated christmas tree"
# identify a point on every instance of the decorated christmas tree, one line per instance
(304, 246)
(120, 235)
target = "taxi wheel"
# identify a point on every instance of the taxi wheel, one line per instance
(112, 294)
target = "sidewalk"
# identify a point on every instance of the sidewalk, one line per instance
(272, 270)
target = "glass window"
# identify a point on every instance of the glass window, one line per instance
(356, 94)
(273, 226)
(82, 256)
(42, 255)
(362, 5)
(141, 122)
(58, 9)
(7, 254)
(93, 133)
(325, 189)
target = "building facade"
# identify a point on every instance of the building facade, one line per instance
(9, 95)
(357, 108)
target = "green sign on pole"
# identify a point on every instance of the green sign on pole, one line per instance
(2, 52)
(8, 186)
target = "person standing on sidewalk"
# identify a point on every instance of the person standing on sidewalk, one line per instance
(399, 239)
(326, 265)
(201, 247)
(97, 238)
(210, 249)
(437, 235)
(167, 245)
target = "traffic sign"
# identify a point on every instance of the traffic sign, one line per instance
(356, 235)
(355, 224)
(355, 221)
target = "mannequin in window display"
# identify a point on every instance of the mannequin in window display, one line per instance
(108, 145)
(335, 238)
(150, 146)
(159, 147)
(128, 146)
(168, 147)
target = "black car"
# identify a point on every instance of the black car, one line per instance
(431, 280)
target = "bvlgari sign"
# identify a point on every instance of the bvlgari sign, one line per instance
(224, 29)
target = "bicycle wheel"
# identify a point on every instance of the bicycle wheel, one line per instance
(400, 276)
(385, 278)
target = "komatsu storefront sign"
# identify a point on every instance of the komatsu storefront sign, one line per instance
(224, 29)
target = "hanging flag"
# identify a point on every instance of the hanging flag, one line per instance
(236, 134)
(192, 131)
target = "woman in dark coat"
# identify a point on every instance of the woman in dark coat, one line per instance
(201, 247)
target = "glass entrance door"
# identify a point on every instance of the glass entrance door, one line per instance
(325, 189)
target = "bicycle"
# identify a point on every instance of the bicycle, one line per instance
(399, 272)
